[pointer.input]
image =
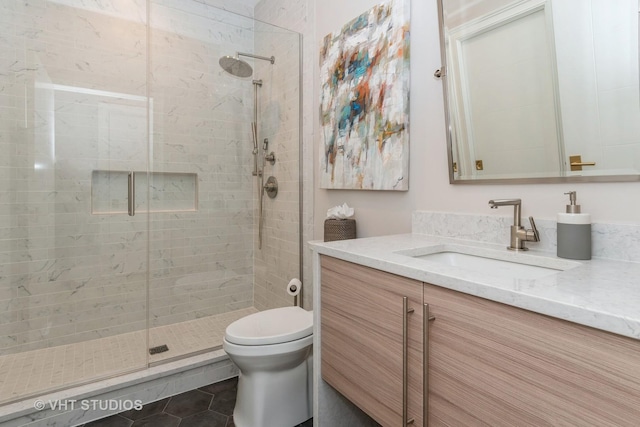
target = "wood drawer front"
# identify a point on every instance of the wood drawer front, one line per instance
(361, 323)
(496, 365)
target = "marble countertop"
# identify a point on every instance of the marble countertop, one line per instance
(600, 293)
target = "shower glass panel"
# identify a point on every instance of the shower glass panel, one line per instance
(73, 125)
(128, 206)
(279, 121)
(205, 266)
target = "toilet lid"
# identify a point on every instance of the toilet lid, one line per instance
(273, 326)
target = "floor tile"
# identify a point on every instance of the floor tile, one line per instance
(189, 403)
(158, 420)
(113, 421)
(224, 402)
(37, 371)
(205, 419)
(147, 410)
(208, 406)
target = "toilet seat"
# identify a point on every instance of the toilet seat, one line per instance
(275, 326)
(262, 351)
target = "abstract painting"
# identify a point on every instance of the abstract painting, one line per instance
(364, 101)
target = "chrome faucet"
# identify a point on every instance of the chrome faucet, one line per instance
(519, 234)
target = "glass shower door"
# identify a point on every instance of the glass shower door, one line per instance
(73, 250)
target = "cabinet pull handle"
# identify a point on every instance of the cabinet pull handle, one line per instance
(131, 201)
(405, 361)
(426, 318)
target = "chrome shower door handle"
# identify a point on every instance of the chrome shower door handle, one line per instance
(405, 361)
(131, 193)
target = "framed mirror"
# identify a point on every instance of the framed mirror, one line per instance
(541, 90)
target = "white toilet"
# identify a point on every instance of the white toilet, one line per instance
(273, 350)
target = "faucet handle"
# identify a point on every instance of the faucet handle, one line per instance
(534, 229)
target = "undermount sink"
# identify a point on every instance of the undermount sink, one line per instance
(495, 263)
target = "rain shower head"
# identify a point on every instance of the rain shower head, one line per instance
(237, 67)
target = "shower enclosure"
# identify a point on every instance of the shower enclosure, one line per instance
(128, 207)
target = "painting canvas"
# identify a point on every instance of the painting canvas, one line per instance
(364, 105)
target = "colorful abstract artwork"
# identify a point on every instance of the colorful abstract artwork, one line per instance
(364, 105)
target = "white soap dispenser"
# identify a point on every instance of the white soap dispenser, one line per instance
(574, 231)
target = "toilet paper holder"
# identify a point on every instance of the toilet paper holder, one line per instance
(294, 288)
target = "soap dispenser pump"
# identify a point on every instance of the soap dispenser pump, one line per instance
(574, 231)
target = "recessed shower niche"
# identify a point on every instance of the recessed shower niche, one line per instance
(122, 192)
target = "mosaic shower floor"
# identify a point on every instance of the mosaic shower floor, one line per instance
(38, 371)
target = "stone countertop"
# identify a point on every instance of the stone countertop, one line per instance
(601, 293)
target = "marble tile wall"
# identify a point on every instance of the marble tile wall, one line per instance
(281, 263)
(278, 260)
(201, 262)
(67, 275)
(242, 7)
(73, 86)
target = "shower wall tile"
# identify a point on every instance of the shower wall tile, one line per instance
(68, 276)
(65, 274)
(73, 99)
(279, 259)
(201, 7)
(200, 262)
(282, 218)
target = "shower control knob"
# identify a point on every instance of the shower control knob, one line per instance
(271, 158)
(271, 187)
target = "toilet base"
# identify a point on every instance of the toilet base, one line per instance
(267, 399)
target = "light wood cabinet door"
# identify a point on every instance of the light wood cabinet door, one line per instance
(496, 365)
(362, 339)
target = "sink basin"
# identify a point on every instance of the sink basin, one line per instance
(489, 265)
(488, 261)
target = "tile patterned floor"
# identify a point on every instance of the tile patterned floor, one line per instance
(209, 406)
(38, 371)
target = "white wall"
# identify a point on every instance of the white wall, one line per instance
(380, 213)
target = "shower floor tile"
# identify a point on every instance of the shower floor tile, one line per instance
(35, 372)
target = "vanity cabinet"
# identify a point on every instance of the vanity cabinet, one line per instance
(498, 365)
(489, 364)
(363, 345)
